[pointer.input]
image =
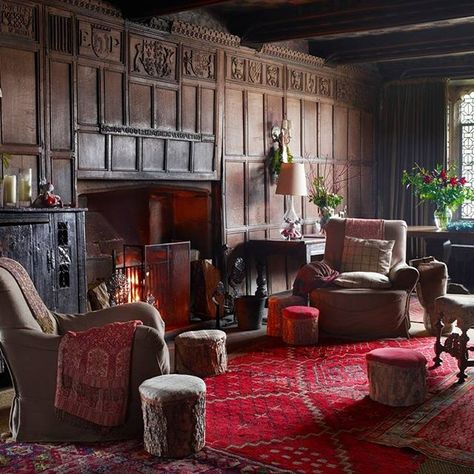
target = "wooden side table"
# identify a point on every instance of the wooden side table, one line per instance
(302, 250)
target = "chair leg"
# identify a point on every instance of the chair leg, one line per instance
(438, 346)
(463, 358)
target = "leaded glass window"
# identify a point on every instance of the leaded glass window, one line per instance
(466, 114)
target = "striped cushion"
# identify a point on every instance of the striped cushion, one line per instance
(366, 255)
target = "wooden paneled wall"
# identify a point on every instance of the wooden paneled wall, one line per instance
(90, 96)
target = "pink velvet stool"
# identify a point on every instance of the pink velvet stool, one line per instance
(397, 377)
(300, 325)
(276, 304)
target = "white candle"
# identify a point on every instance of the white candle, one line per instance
(9, 189)
(25, 186)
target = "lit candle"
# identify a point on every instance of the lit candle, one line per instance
(24, 192)
(9, 190)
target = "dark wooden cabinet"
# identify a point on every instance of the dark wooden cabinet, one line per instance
(50, 244)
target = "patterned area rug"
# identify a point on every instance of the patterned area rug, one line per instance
(278, 409)
(416, 310)
(305, 409)
(442, 427)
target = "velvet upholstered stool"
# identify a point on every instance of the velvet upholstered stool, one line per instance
(300, 325)
(397, 377)
(276, 305)
(173, 409)
(201, 353)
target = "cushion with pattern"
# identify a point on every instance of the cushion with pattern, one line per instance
(366, 255)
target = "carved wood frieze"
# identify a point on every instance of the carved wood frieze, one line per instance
(96, 6)
(17, 20)
(291, 55)
(254, 72)
(153, 58)
(60, 33)
(205, 34)
(100, 42)
(155, 133)
(199, 64)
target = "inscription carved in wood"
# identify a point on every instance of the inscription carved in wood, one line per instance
(153, 58)
(101, 42)
(199, 64)
(17, 20)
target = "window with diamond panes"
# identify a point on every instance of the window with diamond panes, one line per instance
(466, 115)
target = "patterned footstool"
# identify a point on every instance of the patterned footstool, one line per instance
(276, 304)
(202, 353)
(300, 325)
(397, 377)
(174, 415)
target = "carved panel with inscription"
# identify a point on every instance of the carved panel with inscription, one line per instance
(153, 58)
(199, 64)
(18, 20)
(100, 42)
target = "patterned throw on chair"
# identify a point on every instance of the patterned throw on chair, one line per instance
(93, 373)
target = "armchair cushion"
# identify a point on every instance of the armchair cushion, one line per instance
(366, 255)
(362, 280)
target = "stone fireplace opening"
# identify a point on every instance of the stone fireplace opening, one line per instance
(143, 215)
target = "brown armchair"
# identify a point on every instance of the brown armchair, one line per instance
(31, 356)
(363, 313)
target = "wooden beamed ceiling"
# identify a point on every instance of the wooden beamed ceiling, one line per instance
(404, 38)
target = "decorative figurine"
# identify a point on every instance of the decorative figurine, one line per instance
(47, 198)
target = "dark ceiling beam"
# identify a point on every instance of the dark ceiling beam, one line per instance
(397, 46)
(149, 8)
(460, 67)
(365, 16)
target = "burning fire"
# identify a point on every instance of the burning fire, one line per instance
(134, 283)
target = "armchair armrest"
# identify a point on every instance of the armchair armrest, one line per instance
(403, 277)
(144, 312)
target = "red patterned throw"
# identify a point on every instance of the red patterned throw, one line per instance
(365, 228)
(93, 373)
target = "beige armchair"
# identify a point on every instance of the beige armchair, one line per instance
(31, 357)
(363, 313)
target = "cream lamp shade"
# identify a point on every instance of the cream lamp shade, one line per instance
(292, 180)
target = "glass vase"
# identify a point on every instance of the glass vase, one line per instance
(442, 217)
(325, 213)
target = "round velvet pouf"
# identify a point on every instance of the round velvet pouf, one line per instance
(276, 305)
(201, 353)
(397, 377)
(300, 325)
(174, 415)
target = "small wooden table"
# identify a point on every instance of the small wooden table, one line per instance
(303, 250)
(435, 239)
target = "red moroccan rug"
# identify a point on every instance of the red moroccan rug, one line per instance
(277, 409)
(306, 409)
(442, 427)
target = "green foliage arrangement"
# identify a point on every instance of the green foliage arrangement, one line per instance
(440, 186)
(277, 159)
(320, 195)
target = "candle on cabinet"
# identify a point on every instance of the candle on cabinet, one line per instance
(9, 190)
(24, 192)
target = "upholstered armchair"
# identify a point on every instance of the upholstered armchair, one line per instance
(366, 313)
(30, 349)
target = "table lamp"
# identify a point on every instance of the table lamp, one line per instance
(291, 182)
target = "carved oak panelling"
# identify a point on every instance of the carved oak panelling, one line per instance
(141, 105)
(353, 146)
(60, 33)
(189, 108)
(113, 91)
(255, 124)
(18, 20)
(310, 124)
(256, 201)
(91, 151)
(234, 123)
(254, 72)
(153, 154)
(309, 83)
(124, 153)
(100, 42)
(19, 102)
(295, 80)
(324, 87)
(60, 110)
(354, 191)
(326, 130)
(166, 106)
(88, 95)
(208, 111)
(293, 111)
(199, 64)
(152, 132)
(153, 58)
(62, 177)
(340, 133)
(178, 156)
(367, 136)
(204, 157)
(235, 192)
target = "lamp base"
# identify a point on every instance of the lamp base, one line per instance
(291, 226)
